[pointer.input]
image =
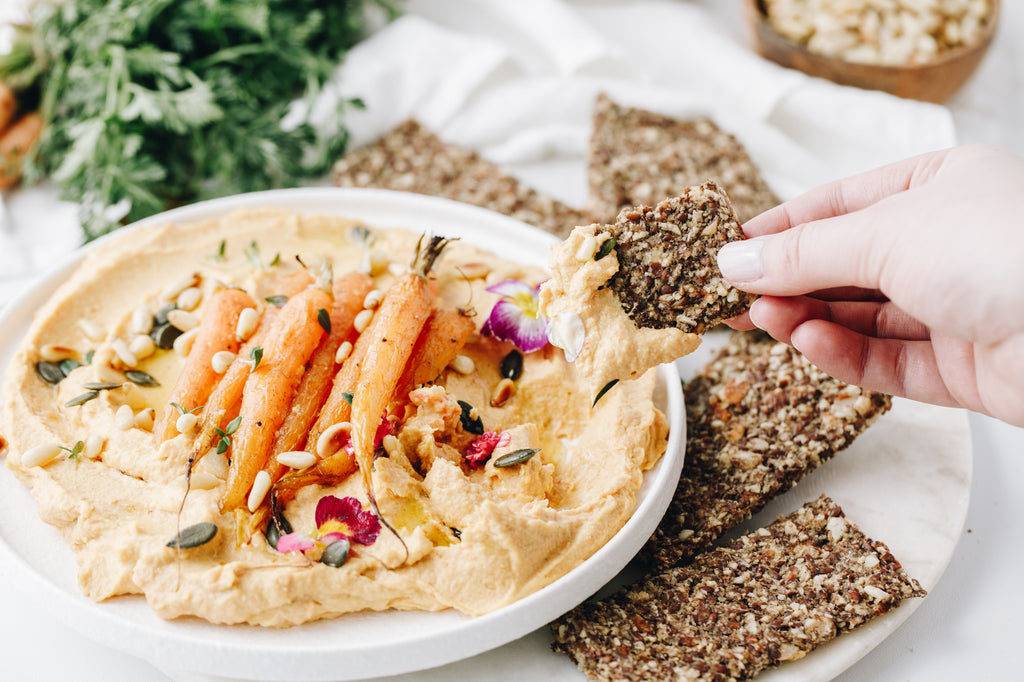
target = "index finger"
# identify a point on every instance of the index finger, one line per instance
(847, 195)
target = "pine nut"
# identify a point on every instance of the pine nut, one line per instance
(505, 389)
(248, 320)
(94, 446)
(91, 330)
(186, 423)
(221, 360)
(183, 344)
(52, 352)
(41, 455)
(141, 321)
(325, 443)
(142, 346)
(171, 291)
(297, 459)
(183, 319)
(260, 488)
(123, 353)
(190, 298)
(145, 419)
(124, 418)
(362, 320)
(344, 350)
(463, 364)
(587, 248)
(373, 299)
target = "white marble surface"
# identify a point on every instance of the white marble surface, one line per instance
(971, 621)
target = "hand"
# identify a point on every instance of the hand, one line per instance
(908, 279)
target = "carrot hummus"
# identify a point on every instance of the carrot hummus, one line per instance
(274, 418)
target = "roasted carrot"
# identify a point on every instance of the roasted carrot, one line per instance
(217, 332)
(15, 142)
(223, 403)
(398, 322)
(349, 293)
(8, 105)
(443, 336)
(270, 386)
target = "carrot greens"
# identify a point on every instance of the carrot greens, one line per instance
(152, 103)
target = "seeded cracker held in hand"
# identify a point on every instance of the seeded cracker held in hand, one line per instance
(768, 597)
(626, 297)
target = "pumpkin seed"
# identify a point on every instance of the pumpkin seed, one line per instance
(277, 300)
(515, 457)
(469, 423)
(89, 355)
(50, 372)
(336, 553)
(163, 335)
(68, 366)
(101, 385)
(607, 387)
(194, 536)
(81, 399)
(512, 365)
(605, 248)
(161, 314)
(141, 378)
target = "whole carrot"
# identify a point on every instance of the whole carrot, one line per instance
(349, 293)
(216, 333)
(270, 386)
(443, 336)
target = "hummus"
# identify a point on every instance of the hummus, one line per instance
(589, 322)
(472, 538)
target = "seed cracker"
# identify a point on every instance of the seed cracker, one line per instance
(768, 597)
(759, 417)
(639, 157)
(412, 159)
(668, 273)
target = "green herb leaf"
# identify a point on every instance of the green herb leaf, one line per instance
(347, 396)
(155, 103)
(181, 410)
(278, 300)
(221, 251)
(233, 425)
(324, 318)
(607, 387)
(276, 260)
(252, 254)
(256, 355)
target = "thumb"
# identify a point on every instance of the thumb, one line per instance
(836, 252)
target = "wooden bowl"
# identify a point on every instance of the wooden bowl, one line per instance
(933, 81)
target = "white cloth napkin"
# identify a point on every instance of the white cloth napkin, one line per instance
(517, 81)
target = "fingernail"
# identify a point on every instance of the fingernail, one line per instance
(741, 261)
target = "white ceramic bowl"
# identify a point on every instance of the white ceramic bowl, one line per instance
(358, 645)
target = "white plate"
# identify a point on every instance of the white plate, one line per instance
(357, 645)
(906, 481)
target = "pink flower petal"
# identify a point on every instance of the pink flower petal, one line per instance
(508, 322)
(363, 525)
(294, 542)
(331, 537)
(337, 508)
